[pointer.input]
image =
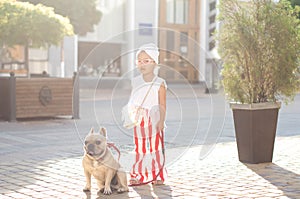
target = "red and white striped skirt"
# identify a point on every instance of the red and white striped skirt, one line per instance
(149, 162)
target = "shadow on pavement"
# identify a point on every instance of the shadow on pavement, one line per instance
(286, 181)
(149, 191)
(60, 176)
(57, 177)
(164, 191)
(42, 176)
(89, 195)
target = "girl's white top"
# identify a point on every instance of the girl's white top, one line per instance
(139, 91)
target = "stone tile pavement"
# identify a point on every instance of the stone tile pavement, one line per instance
(218, 175)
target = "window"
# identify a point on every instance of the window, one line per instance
(212, 19)
(212, 31)
(177, 11)
(212, 45)
(212, 6)
(170, 40)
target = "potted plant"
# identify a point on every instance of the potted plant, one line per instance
(259, 44)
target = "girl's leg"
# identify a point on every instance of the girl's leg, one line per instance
(148, 167)
(158, 156)
(138, 174)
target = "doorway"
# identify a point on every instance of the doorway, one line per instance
(179, 37)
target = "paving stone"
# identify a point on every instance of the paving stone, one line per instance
(5, 197)
(15, 195)
(211, 177)
(283, 197)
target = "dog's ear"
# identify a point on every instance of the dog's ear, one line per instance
(103, 131)
(91, 131)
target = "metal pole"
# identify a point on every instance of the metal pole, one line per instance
(12, 97)
(75, 96)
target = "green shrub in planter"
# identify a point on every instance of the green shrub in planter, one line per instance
(259, 43)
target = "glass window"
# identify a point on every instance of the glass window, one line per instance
(184, 43)
(212, 31)
(212, 6)
(212, 19)
(212, 45)
(170, 40)
(177, 11)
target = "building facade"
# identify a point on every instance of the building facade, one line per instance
(182, 29)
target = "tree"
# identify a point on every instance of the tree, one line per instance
(259, 43)
(296, 5)
(83, 14)
(295, 2)
(29, 25)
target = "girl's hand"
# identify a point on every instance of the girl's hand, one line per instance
(160, 126)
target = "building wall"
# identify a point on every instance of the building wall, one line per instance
(144, 30)
(112, 22)
(108, 39)
(146, 21)
(125, 22)
(208, 27)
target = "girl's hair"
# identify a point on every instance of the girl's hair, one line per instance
(151, 49)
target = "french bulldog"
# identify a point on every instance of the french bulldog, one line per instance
(99, 162)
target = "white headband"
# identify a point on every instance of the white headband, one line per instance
(151, 50)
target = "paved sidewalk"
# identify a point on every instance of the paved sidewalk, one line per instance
(219, 175)
(42, 158)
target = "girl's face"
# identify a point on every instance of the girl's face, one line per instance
(145, 63)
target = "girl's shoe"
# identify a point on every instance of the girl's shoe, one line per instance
(134, 181)
(158, 182)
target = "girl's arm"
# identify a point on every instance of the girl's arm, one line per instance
(162, 107)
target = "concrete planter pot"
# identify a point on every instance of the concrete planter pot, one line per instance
(255, 129)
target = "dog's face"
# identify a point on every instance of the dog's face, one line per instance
(95, 143)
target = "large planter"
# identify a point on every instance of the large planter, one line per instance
(38, 97)
(255, 129)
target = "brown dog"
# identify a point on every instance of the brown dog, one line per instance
(99, 162)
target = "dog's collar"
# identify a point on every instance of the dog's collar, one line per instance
(100, 158)
(110, 145)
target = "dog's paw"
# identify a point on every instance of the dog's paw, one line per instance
(107, 191)
(122, 190)
(100, 192)
(86, 189)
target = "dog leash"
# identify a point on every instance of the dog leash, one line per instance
(112, 145)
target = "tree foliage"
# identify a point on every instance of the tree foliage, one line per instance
(259, 43)
(295, 2)
(83, 14)
(296, 5)
(24, 23)
(29, 25)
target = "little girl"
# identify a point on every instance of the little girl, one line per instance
(149, 133)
